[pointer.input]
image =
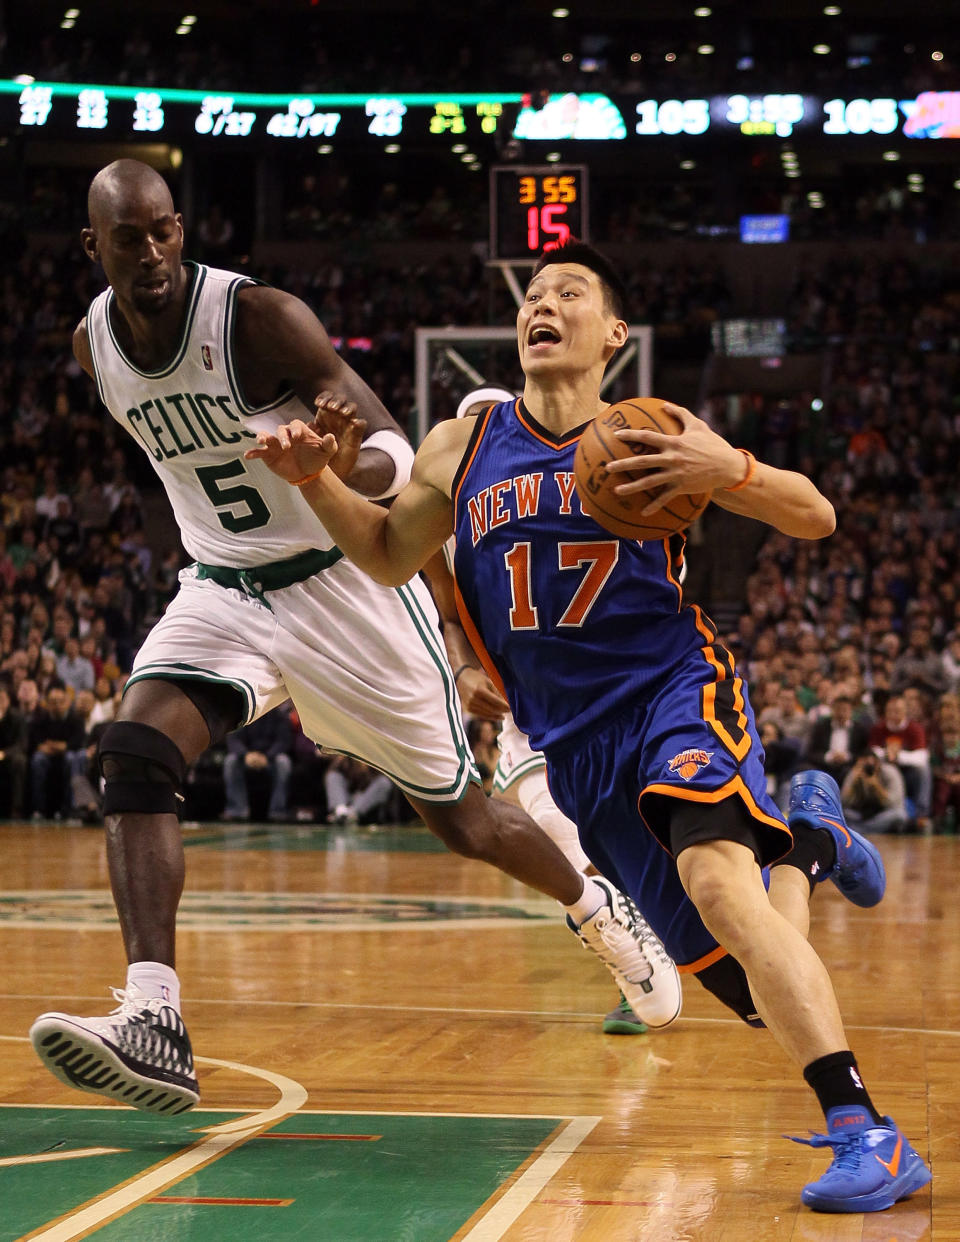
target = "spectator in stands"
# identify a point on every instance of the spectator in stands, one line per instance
(356, 793)
(781, 759)
(104, 704)
(8, 570)
(945, 764)
(308, 800)
(45, 673)
(903, 742)
(261, 746)
(873, 795)
(73, 669)
(48, 502)
(91, 506)
(55, 734)
(215, 234)
(13, 756)
(62, 531)
(787, 713)
(951, 660)
(835, 739)
(28, 702)
(919, 664)
(84, 772)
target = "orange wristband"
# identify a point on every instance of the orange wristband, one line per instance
(751, 470)
(308, 478)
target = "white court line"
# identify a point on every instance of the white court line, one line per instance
(494, 1224)
(463, 1012)
(220, 1139)
(190, 924)
(51, 1157)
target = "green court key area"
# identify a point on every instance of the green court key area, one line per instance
(326, 1178)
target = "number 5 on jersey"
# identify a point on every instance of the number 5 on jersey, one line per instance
(222, 498)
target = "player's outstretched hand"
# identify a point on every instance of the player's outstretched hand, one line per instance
(338, 416)
(294, 451)
(479, 695)
(695, 460)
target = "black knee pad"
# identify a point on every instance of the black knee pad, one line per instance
(142, 769)
(727, 980)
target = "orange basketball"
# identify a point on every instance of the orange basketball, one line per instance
(621, 514)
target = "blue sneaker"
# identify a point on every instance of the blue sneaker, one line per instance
(873, 1165)
(858, 871)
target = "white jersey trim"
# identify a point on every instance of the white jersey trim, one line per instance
(229, 329)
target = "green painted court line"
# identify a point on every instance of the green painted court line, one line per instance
(420, 1181)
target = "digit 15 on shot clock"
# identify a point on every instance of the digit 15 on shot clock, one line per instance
(533, 208)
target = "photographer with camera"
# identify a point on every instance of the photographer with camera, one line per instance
(874, 796)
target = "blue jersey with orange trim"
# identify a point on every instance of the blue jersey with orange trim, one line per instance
(574, 622)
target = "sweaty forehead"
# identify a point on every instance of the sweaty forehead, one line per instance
(557, 273)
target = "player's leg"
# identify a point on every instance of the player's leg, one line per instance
(143, 775)
(793, 995)
(662, 992)
(521, 777)
(140, 1053)
(500, 833)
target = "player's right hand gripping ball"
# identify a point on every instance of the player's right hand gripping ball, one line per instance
(621, 515)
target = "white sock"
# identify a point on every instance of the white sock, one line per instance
(589, 902)
(533, 795)
(154, 979)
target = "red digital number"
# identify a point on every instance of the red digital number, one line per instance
(546, 227)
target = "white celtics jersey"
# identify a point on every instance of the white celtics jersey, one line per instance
(192, 421)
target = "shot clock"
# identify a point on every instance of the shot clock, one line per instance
(536, 207)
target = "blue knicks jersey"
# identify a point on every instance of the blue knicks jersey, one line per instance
(576, 622)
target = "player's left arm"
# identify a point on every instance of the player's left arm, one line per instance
(479, 695)
(390, 545)
(280, 344)
(698, 460)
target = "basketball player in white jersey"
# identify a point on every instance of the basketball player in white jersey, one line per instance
(521, 777)
(195, 362)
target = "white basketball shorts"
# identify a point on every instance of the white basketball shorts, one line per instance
(364, 665)
(517, 759)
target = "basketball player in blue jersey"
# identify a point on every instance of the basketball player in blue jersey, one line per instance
(520, 774)
(645, 723)
(195, 362)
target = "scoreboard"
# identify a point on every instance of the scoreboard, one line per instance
(536, 207)
(32, 107)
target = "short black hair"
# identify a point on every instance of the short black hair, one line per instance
(576, 251)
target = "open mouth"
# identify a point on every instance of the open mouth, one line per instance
(543, 334)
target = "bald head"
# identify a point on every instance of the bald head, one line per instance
(137, 237)
(122, 183)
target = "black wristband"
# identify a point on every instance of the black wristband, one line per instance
(456, 675)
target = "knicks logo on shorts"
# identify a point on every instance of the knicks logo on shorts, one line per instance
(689, 762)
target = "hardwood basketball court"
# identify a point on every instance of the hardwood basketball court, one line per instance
(397, 1045)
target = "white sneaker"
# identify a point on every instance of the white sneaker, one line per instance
(139, 1054)
(627, 946)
